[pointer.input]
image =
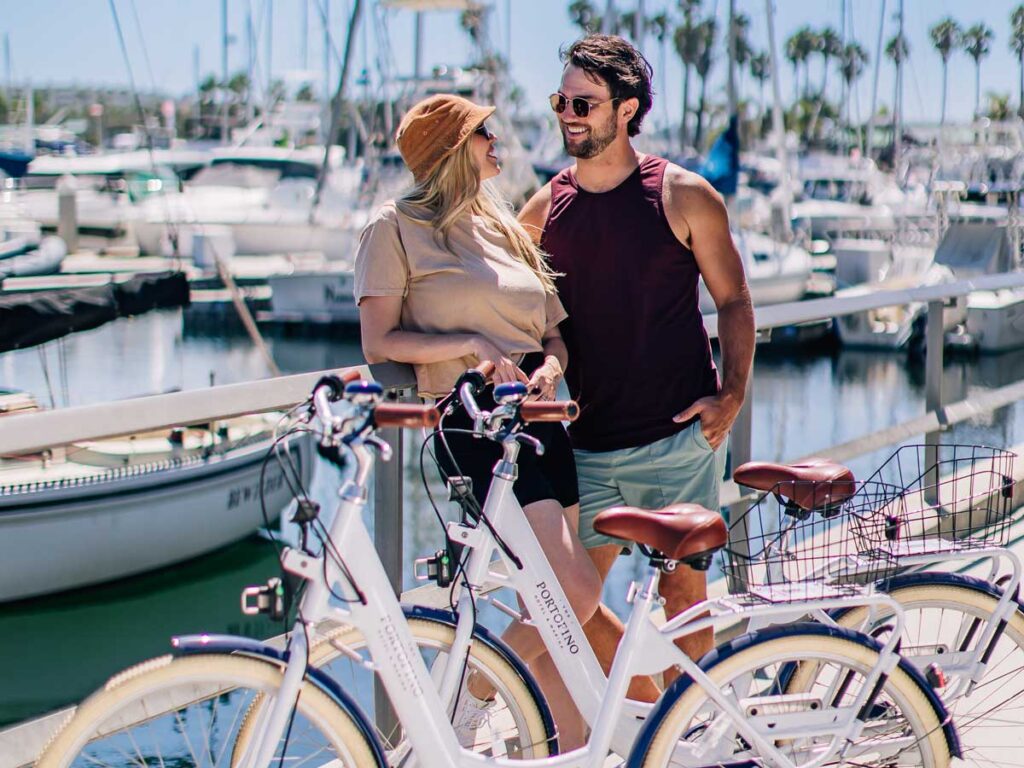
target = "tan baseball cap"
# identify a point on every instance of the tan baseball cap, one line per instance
(436, 127)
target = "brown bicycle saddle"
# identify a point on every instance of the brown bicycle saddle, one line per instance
(809, 484)
(678, 531)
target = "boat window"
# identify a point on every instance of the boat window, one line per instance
(230, 174)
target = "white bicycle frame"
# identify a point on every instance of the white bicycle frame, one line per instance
(968, 667)
(424, 710)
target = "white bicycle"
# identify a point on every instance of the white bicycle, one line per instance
(794, 695)
(924, 506)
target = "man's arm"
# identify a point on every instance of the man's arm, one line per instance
(698, 217)
(534, 215)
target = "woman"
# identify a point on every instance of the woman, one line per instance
(446, 279)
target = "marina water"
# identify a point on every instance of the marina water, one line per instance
(59, 648)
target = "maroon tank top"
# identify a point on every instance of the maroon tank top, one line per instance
(638, 351)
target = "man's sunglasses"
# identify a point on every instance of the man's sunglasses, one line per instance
(580, 106)
(482, 130)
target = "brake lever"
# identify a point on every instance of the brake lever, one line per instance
(381, 445)
(532, 441)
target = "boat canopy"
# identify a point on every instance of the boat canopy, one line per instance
(975, 248)
(34, 317)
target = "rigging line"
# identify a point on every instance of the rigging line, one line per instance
(46, 374)
(145, 48)
(172, 230)
(62, 359)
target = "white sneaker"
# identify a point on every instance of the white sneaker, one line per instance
(471, 714)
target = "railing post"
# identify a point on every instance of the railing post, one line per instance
(387, 509)
(388, 525)
(740, 452)
(935, 341)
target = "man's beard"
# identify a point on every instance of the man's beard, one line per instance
(595, 143)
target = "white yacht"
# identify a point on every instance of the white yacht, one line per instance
(777, 272)
(263, 196)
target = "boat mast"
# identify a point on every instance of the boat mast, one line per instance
(897, 112)
(9, 80)
(305, 35)
(417, 47)
(610, 16)
(733, 101)
(778, 126)
(874, 87)
(270, 60)
(336, 103)
(224, 72)
(327, 60)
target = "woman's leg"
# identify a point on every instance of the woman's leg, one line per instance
(573, 568)
(579, 580)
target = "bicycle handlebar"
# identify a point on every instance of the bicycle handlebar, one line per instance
(558, 410)
(405, 415)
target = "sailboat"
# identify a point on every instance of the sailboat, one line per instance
(107, 509)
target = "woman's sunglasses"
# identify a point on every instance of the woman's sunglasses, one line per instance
(580, 106)
(482, 130)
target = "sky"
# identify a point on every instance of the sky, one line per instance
(75, 42)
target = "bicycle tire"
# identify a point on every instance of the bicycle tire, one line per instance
(684, 712)
(156, 710)
(991, 719)
(531, 736)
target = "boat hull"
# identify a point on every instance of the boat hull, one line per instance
(81, 533)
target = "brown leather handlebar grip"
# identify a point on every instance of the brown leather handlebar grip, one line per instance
(564, 410)
(349, 376)
(486, 369)
(405, 415)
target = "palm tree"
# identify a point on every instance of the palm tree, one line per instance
(853, 60)
(741, 47)
(799, 47)
(706, 30)
(829, 46)
(659, 26)
(945, 37)
(977, 43)
(1017, 46)
(810, 43)
(583, 14)
(686, 39)
(761, 70)
(627, 22)
(793, 57)
(998, 106)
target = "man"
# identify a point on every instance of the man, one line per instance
(631, 234)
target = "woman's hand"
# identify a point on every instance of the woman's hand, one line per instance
(544, 383)
(504, 369)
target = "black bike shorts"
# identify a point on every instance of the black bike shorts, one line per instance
(551, 476)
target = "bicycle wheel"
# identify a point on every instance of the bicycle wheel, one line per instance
(944, 619)
(791, 684)
(186, 711)
(516, 725)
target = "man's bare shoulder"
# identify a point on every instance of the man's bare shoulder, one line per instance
(534, 214)
(688, 190)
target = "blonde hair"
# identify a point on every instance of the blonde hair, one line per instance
(454, 189)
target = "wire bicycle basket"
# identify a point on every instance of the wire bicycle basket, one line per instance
(795, 542)
(950, 498)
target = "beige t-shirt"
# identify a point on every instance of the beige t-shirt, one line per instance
(478, 287)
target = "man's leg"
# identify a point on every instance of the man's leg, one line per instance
(681, 589)
(604, 630)
(681, 468)
(598, 491)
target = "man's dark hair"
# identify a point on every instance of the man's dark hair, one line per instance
(625, 70)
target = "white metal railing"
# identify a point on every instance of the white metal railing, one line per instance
(37, 431)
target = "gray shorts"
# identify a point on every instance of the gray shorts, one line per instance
(680, 468)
